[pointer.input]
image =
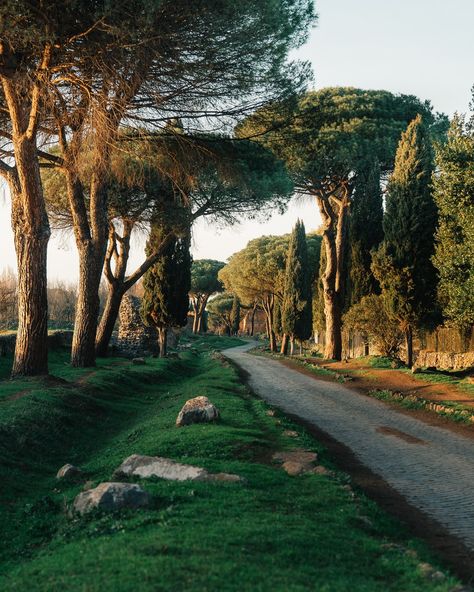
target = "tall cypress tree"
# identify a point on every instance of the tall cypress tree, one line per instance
(454, 195)
(166, 285)
(402, 264)
(296, 309)
(365, 231)
(235, 315)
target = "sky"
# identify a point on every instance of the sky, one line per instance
(420, 47)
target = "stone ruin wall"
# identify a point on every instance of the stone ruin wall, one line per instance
(134, 337)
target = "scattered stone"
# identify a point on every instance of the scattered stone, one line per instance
(157, 466)
(165, 468)
(299, 455)
(320, 470)
(138, 361)
(291, 434)
(197, 410)
(70, 472)
(431, 573)
(296, 462)
(110, 497)
(271, 412)
(225, 477)
(294, 468)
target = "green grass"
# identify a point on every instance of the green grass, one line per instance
(271, 533)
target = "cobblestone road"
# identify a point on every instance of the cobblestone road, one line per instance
(432, 467)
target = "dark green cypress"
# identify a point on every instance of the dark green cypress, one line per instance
(296, 309)
(166, 285)
(403, 264)
(235, 315)
(365, 232)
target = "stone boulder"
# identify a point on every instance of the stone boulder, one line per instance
(197, 410)
(70, 472)
(165, 468)
(157, 466)
(296, 462)
(138, 361)
(110, 497)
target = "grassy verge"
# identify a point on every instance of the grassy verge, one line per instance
(273, 532)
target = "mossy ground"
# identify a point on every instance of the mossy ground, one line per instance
(271, 533)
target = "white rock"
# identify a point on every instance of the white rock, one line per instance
(157, 466)
(69, 472)
(197, 410)
(110, 497)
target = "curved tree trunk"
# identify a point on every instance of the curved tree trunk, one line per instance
(334, 208)
(108, 320)
(22, 94)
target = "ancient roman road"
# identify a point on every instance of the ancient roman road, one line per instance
(432, 467)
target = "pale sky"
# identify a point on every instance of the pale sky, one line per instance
(420, 47)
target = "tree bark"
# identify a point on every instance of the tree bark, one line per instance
(22, 94)
(162, 337)
(108, 320)
(31, 244)
(334, 206)
(284, 345)
(252, 322)
(292, 345)
(409, 345)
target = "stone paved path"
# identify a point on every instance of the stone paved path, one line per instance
(432, 467)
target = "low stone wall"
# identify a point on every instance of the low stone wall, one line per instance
(56, 339)
(444, 360)
(7, 344)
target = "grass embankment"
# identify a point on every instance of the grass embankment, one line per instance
(272, 532)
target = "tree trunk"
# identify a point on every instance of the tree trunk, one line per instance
(31, 349)
(252, 323)
(292, 345)
(92, 246)
(108, 320)
(31, 232)
(162, 337)
(334, 208)
(87, 308)
(284, 345)
(409, 345)
(22, 91)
